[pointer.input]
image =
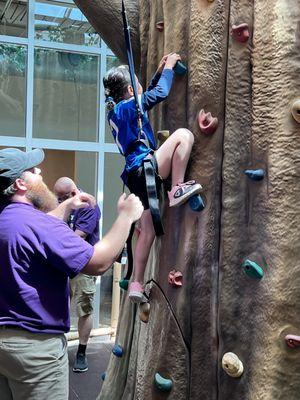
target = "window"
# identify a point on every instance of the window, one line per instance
(63, 23)
(13, 18)
(65, 95)
(12, 89)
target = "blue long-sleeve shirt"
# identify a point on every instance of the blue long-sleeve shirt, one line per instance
(123, 121)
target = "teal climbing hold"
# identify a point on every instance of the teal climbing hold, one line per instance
(180, 68)
(123, 283)
(163, 384)
(196, 203)
(117, 350)
(252, 269)
(103, 376)
(255, 174)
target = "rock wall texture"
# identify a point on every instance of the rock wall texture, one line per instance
(250, 84)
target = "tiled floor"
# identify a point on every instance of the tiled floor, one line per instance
(87, 385)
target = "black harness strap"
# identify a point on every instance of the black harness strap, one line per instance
(129, 253)
(150, 175)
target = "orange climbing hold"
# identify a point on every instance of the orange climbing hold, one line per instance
(175, 278)
(207, 123)
(292, 341)
(240, 32)
(160, 25)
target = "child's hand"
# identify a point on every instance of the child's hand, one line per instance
(172, 60)
(162, 64)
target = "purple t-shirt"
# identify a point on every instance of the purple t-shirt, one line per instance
(86, 220)
(38, 253)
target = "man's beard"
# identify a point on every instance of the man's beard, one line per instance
(41, 197)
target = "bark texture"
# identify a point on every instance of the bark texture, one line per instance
(250, 86)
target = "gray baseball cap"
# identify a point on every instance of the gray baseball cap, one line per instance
(13, 162)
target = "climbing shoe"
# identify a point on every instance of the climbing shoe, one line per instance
(180, 193)
(136, 292)
(81, 364)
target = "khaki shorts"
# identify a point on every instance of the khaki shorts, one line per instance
(33, 366)
(83, 288)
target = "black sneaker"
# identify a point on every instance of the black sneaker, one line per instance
(81, 364)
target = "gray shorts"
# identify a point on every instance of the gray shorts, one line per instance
(83, 288)
(33, 365)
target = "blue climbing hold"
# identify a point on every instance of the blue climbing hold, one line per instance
(117, 350)
(103, 376)
(180, 68)
(255, 174)
(196, 203)
(163, 384)
(123, 283)
(252, 269)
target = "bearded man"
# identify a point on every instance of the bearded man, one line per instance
(39, 253)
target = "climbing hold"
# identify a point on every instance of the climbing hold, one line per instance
(163, 384)
(196, 203)
(232, 365)
(207, 123)
(117, 350)
(163, 135)
(255, 174)
(240, 32)
(175, 278)
(252, 269)
(103, 376)
(160, 26)
(123, 283)
(292, 341)
(144, 312)
(296, 111)
(180, 68)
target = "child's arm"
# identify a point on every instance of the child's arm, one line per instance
(163, 86)
(158, 72)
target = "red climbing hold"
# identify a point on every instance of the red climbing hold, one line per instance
(175, 278)
(240, 32)
(207, 123)
(292, 341)
(160, 26)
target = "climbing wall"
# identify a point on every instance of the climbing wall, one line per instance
(223, 318)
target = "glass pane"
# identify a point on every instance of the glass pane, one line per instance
(12, 89)
(65, 95)
(63, 23)
(111, 61)
(13, 18)
(112, 191)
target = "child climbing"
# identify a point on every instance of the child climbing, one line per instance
(135, 145)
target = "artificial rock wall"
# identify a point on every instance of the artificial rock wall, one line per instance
(249, 78)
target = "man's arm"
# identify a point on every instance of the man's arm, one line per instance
(63, 210)
(107, 250)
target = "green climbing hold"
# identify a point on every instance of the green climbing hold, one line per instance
(252, 269)
(163, 384)
(180, 68)
(123, 283)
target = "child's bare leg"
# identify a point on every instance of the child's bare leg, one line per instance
(174, 154)
(143, 246)
(172, 158)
